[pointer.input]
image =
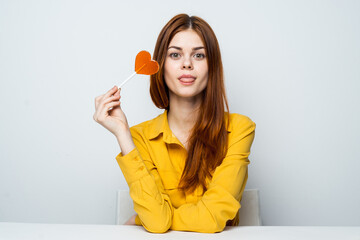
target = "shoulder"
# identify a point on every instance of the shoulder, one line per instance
(239, 121)
(240, 126)
(148, 128)
(141, 127)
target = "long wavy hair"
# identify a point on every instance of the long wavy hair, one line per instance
(208, 139)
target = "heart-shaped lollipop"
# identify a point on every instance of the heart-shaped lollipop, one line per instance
(143, 65)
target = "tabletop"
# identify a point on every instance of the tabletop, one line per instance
(30, 231)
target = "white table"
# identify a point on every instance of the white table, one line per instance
(30, 231)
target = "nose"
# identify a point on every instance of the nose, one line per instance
(187, 64)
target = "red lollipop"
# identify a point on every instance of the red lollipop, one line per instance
(143, 65)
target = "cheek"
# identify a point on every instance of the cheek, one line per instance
(170, 65)
(204, 70)
(205, 75)
(167, 67)
(170, 69)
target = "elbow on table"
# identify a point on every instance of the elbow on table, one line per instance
(156, 220)
(202, 227)
(213, 228)
(158, 226)
(157, 223)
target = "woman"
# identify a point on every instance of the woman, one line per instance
(187, 168)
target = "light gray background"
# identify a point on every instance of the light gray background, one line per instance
(293, 67)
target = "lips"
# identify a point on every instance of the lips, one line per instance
(187, 79)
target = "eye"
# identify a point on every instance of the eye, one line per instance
(174, 55)
(199, 56)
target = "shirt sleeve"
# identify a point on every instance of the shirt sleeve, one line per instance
(151, 203)
(220, 202)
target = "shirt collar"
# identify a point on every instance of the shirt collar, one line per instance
(160, 126)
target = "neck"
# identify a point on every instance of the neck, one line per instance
(183, 114)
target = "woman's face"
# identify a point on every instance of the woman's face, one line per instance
(186, 69)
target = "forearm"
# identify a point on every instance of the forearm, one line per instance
(125, 141)
(209, 214)
(150, 202)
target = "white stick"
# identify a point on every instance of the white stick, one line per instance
(132, 75)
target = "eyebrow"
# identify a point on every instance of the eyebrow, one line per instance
(179, 48)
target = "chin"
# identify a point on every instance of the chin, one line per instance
(188, 94)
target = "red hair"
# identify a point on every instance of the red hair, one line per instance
(208, 140)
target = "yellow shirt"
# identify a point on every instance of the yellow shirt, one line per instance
(153, 170)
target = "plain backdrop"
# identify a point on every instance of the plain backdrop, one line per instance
(292, 66)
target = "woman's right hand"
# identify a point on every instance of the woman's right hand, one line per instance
(114, 119)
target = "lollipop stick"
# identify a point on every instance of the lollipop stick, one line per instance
(131, 76)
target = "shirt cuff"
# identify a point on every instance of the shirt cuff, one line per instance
(132, 166)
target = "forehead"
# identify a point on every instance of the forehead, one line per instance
(186, 39)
